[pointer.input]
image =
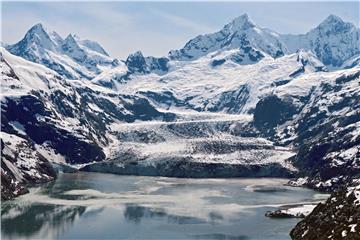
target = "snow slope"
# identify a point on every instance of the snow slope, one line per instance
(229, 87)
(71, 57)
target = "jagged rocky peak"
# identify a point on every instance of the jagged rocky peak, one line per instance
(333, 41)
(71, 48)
(242, 22)
(36, 37)
(333, 22)
(56, 38)
(334, 26)
(36, 30)
(70, 39)
(70, 57)
(241, 32)
(136, 62)
(70, 43)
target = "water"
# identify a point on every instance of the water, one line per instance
(105, 206)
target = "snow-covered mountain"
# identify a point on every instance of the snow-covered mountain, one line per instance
(243, 101)
(215, 82)
(333, 41)
(241, 33)
(46, 117)
(71, 57)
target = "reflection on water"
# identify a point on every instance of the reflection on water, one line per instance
(98, 206)
(135, 213)
(37, 220)
(220, 236)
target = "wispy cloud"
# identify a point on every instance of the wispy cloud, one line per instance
(182, 22)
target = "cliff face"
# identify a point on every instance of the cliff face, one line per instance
(337, 218)
(21, 164)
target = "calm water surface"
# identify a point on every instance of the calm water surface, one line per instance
(105, 206)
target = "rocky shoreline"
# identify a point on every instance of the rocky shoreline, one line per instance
(337, 218)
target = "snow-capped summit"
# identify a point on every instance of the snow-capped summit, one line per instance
(38, 35)
(36, 40)
(241, 33)
(242, 22)
(70, 40)
(70, 57)
(92, 45)
(333, 41)
(332, 20)
(71, 48)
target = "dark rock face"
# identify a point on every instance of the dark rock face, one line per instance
(326, 141)
(22, 164)
(158, 64)
(217, 62)
(272, 111)
(282, 214)
(64, 120)
(64, 142)
(137, 63)
(323, 137)
(167, 99)
(10, 189)
(337, 218)
(231, 101)
(185, 167)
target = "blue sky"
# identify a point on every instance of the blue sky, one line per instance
(157, 27)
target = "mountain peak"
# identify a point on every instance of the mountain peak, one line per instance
(136, 54)
(70, 43)
(335, 23)
(241, 32)
(241, 22)
(36, 29)
(37, 26)
(36, 35)
(70, 38)
(71, 48)
(136, 62)
(333, 19)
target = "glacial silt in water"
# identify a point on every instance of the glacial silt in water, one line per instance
(105, 206)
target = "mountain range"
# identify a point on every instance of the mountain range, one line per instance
(334, 42)
(241, 102)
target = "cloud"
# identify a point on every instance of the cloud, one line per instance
(183, 22)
